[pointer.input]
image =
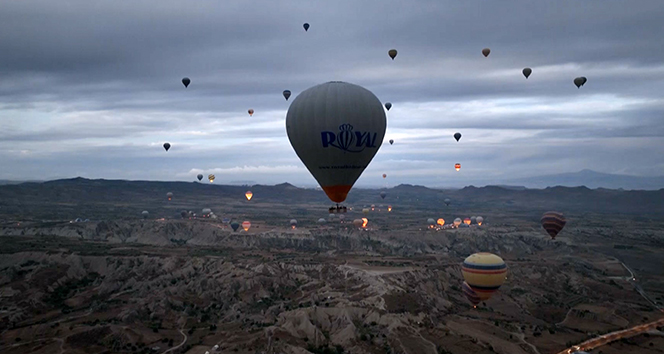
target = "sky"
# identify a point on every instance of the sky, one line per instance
(93, 88)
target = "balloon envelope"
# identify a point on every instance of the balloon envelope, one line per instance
(200, 177)
(251, 112)
(470, 294)
(169, 195)
(248, 195)
(383, 195)
(457, 136)
(388, 105)
(447, 201)
(457, 222)
(457, 166)
(480, 220)
(167, 146)
(287, 94)
(246, 225)
(440, 221)
(553, 222)
(527, 71)
(580, 81)
(235, 225)
(211, 178)
(358, 222)
(486, 52)
(306, 27)
(391, 141)
(466, 221)
(484, 272)
(392, 53)
(186, 82)
(336, 129)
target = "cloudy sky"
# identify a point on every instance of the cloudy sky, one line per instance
(92, 88)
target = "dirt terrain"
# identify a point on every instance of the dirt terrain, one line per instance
(122, 284)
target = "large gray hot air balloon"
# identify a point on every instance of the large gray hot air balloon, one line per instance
(336, 129)
(293, 223)
(200, 177)
(145, 214)
(447, 201)
(431, 222)
(322, 221)
(526, 72)
(169, 195)
(383, 195)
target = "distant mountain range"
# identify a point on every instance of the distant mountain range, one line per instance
(590, 179)
(587, 178)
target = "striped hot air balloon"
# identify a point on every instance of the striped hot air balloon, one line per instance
(211, 178)
(246, 225)
(470, 294)
(485, 273)
(553, 222)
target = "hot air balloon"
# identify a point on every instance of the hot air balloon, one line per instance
(457, 136)
(391, 141)
(470, 294)
(485, 273)
(526, 72)
(145, 214)
(480, 220)
(169, 195)
(457, 222)
(486, 52)
(306, 27)
(358, 222)
(440, 221)
(248, 195)
(388, 105)
(211, 178)
(373, 206)
(392, 53)
(322, 220)
(235, 225)
(366, 211)
(457, 166)
(580, 81)
(200, 176)
(466, 221)
(336, 129)
(293, 223)
(167, 146)
(431, 222)
(287, 94)
(383, 195)
(251, 112)
(384, 175)
(365, 221)
(473, 219)
(553, 222)
(246, 225)
(342, 217)
(186, 82)
(206, 212)
(184, 214)
(389, 208)
(447, 201)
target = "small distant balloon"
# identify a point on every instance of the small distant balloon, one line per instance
(553, 222)
(527, 71)
(466, 221)
(211, 178)
(186, 82)
(287, 94)
(391, 141)
(235, 225)
(447, 201)
(388, 105)
(457, 136)
(486, 52)
(479, 220)
(440, 221)
(200, 177)
(169, 195)
(580, 81)
(392, 53)
(457, 222)
(248, 195)
(246, 225)
(306, 27)
(167, 146)
(251, 112)
(384, 175)
(145, 214)
(383, 195)
(457, 166)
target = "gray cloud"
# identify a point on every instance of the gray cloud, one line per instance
(93, 89)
